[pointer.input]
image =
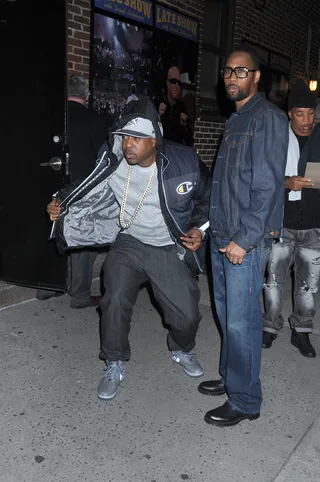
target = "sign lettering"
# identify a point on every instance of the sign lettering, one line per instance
(138, 10)
(176, 23)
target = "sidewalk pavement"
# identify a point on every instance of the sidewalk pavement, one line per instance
(53, 427)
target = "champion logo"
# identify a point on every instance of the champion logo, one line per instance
(133, 122)
(184, 187)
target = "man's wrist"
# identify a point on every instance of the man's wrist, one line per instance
(203, 233)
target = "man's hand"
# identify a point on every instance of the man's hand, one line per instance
(192, 239)
(183, 119)
(234, 253)
(54, 209)
(296, 183)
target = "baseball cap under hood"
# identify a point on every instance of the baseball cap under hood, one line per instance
(142, 109)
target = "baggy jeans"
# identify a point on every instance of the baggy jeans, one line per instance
(129, 264)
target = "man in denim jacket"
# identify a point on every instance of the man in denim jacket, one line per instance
(245, 216)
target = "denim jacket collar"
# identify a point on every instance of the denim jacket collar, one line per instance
(248, 105)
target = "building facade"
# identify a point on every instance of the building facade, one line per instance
(285, 34)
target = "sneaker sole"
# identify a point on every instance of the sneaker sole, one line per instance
(191, 374)
(101, 397)
(218, 423)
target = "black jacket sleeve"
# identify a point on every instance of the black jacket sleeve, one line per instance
(200, 212)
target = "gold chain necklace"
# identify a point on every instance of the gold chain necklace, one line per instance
(127, 225)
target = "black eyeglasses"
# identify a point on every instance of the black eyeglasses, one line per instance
(240, 72)
(174, 81)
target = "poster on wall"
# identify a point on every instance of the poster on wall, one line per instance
(122, 64)
(175, 72)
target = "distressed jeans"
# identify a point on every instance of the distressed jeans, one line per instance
(236, 294)
(300, 249)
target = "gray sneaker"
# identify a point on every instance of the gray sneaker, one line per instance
(114, 375)
(189, 362)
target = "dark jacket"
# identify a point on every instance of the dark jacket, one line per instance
(86, 134)
(91, 213)
(248, 180)
(173, 130)
(305, 214)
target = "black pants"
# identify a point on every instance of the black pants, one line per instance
(80, 281)
(82, 262)
(131, 263)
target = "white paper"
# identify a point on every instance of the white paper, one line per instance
(313, 173)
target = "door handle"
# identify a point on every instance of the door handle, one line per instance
(55, 163)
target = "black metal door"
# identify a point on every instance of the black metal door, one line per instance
(33, 132)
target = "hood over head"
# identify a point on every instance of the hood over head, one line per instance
(142, 109)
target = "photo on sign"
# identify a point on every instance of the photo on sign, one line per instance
(122, 64)
(174, 81)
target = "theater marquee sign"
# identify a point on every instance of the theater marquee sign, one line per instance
(176, 23)
(138, 10)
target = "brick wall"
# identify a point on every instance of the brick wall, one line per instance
(279, 26)
(79, 36)
(282, 25)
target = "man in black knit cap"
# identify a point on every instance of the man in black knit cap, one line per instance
(300, 243)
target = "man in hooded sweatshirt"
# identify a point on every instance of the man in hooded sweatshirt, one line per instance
(149, 200)
(300, 243)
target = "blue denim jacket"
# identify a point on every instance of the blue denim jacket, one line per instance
(248, 180)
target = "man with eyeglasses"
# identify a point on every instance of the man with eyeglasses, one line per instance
(245, 216)
(175, 119)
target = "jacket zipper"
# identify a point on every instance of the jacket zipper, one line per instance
(165, 199)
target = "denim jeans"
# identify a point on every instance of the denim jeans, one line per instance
(300, 248)
(236, 294)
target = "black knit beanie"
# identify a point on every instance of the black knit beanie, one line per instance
(301, 96)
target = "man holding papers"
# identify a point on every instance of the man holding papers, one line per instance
(300, 243)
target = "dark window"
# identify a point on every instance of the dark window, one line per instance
(217, 41)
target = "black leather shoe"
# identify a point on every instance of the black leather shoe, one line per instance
(79, 305)
(225, 416)
(268, 339)
(302, 342)
(43, 295)
(212, 387)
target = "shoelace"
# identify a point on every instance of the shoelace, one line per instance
(186, 356)
(113, 372)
